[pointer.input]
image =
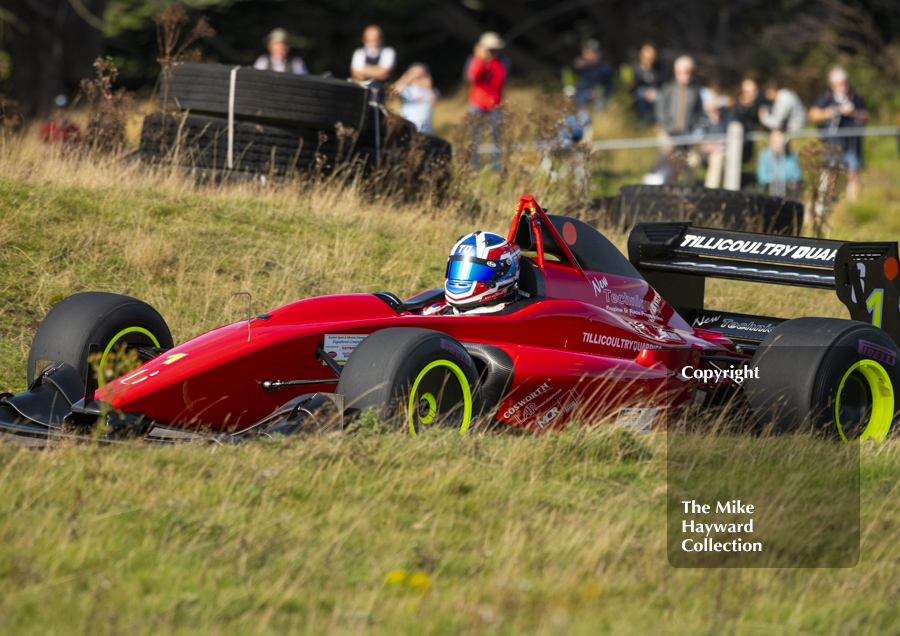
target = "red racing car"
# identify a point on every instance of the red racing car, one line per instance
(595, 336)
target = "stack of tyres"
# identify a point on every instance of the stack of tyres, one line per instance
(282, 123)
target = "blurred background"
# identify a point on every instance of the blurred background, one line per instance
(48, 46)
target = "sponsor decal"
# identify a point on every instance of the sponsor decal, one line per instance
(632, 301)
(759, 248)
(878, 353)
(705, 320)
(731, 323)
(599, 284)
(136, 378)
(527, 399)
(340, 346)
(548, 417)
(615, 342)
(637, 419)
(728, 323)
(654, 332)
(465, 249)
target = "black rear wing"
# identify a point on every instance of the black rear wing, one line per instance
(676, 258)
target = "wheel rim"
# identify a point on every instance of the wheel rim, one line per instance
(865, 398)
(437, 391)
(115, 339)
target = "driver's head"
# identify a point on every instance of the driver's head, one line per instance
(483, 269)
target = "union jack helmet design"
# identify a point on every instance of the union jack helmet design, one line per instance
(483, 269)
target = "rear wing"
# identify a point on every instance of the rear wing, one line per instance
(676, 258)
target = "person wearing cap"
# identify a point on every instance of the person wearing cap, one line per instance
(486, 74)
(591, 70)
(373, 62)
(277, 59)
(842, 107)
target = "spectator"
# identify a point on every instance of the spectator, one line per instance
(778, 169)
(486, 73)
(373, 62)
(58, 129)
(787, 113)
(648, 79)
(591, 70)
(746, 111)
(417, 96)
(277, 59)
(679, 109)
(840, 107)
(717, 107)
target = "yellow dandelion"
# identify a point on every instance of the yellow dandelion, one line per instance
(419, 580)
(396, 576)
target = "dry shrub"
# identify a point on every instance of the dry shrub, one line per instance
(10, 119)
(174, 43)
(823, 167)
(107, 108)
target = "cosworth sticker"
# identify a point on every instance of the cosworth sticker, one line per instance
(759, 248)
(527, 399)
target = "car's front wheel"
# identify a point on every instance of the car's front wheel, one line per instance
(425, 377)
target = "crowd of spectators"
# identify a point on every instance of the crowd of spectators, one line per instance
(681, 106)
(678, 107)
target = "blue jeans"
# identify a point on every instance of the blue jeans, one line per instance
(491, 120)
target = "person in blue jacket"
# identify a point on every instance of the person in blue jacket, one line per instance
(778, 169)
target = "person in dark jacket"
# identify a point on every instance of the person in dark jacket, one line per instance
(648, 80)
(591, 71)
(679, 109)
(841, 107)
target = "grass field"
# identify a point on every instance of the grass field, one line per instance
(374, 532)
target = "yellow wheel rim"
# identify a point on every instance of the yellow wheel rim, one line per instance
(463, 385)
(112, 343)
(882, 391)
(432, 408)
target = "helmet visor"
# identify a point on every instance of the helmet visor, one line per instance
(470, 269)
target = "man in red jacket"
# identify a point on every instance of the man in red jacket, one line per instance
(486, 73)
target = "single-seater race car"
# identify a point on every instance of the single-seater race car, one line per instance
(593, 336)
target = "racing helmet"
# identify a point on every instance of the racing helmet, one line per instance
(483, 269)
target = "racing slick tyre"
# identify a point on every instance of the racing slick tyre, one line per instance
(709, 207)
(94, 318)
(834, 376)
(425, 376)
(280, 98)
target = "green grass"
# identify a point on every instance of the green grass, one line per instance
(497, 534)
(384, 533)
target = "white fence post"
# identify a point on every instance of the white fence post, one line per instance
(734, 151)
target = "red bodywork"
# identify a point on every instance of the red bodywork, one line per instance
(594, 344)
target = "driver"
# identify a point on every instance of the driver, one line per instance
(482, 275)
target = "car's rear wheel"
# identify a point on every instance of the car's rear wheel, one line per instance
(426, 378)
(109, 321)
(836, 376)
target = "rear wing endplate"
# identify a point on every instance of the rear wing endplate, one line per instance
(676, 258)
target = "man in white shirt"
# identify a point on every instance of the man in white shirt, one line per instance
(373, 62)
(277, 59)
(787, 113)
